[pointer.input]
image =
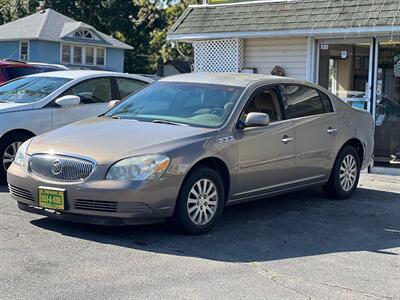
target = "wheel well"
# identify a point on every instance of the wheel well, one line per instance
(220, 167)
(18, 131)
(356, 144)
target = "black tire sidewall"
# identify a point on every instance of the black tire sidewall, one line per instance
(7, 141)
(339, 192)
(181, 216)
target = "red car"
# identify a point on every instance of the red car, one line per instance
(12, 69)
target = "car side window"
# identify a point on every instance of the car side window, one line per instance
(326, 101)
(264, 101)
(302, 101)
(128, 86)
(92, 91)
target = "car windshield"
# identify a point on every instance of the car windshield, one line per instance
(29, 89)
(202, 105)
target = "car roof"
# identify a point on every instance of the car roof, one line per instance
(40, 64)
(232, 79)
(10, 63)
(82, 74)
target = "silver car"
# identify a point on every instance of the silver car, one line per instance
(188, 145)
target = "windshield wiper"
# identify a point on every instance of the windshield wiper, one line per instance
(169, 122)
(110, 117)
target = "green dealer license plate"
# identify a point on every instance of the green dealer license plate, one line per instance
(51, 198)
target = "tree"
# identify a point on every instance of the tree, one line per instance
(163, 50)
(11, 10)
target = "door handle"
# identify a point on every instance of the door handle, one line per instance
(286, 139)
(331, 130)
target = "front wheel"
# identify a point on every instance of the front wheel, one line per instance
(200, 201)
(345, 174)
(8, 149)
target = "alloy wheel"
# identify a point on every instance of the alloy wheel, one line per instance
(9, 154)
(348, 172)
(202, 202)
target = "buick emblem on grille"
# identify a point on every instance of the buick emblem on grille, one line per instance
(56, 167)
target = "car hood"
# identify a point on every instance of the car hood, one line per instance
(10, 107)
(108, 140)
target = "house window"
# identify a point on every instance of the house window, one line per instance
(66, 54)
(100, 57)
(83, 34)
(77, 55)
(81, 55)
(89, 56)
(24, 51)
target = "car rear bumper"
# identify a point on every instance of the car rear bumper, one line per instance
(99, 201)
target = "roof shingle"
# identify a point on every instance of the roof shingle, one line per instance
(298, 14)
(50, 25)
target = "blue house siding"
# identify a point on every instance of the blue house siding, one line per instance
(9, 49)
(45, 52)
(114, 60)
(49, 52)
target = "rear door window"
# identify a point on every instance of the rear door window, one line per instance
(302, 101)
(128, 86)
(326, 101)
(92, 91)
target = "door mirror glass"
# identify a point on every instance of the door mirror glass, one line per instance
(68, 101)
(113, 103)
(255, 119)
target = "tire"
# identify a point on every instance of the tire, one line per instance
(5, 144)
(343, 180)
(192, 210)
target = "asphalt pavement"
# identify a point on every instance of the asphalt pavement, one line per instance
(297, 246)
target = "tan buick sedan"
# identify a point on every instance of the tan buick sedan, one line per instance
(188, 145)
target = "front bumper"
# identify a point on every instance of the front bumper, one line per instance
(105, 202)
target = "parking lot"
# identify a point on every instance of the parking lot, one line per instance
(296, 246)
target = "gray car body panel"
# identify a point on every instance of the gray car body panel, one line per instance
(258, 162)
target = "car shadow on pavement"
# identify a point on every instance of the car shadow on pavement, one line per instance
(293, 225)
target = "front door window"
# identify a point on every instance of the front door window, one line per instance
(344, 71)
(387, 110)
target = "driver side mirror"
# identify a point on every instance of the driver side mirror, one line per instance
(68, 101)
(113, 103)
(255, 119)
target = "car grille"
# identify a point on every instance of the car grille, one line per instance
(108, 206)
(61, 168)
(20, 193)
(112, 206)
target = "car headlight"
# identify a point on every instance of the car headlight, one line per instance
(21, 158)
(139, 167)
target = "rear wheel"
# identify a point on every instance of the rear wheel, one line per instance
(200, 202)
(345, 174)
(8, 149)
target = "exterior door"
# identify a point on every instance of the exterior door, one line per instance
(387, 110)
(266, 155)
(344, 70)
(95, 95)
(316, 130)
